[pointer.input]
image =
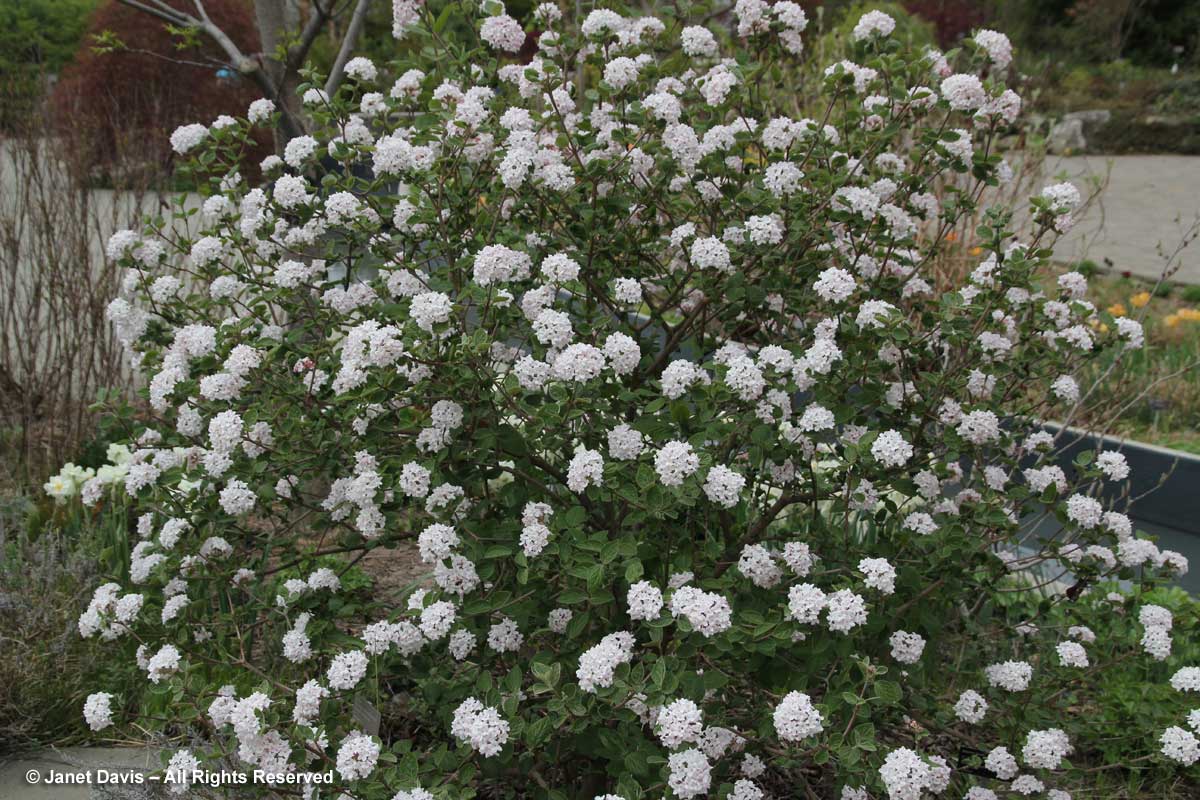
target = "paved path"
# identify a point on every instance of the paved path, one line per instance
(15, 773)
(1149, 204)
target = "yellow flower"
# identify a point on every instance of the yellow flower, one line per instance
(1190, 314)
(1140, 299)
(976, 250)
(1171, 320)
(1117, 309)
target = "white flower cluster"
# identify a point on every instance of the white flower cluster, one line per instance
(796, 718)
(1012, 676)
(480, 726)
(357, 756)
(1046, 749)
(598, 666)
(708, 613)
(679, 722)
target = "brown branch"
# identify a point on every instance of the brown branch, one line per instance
(759, 526)
(298, 52)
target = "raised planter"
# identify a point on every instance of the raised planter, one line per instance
(1164, 484)
(1162, 495)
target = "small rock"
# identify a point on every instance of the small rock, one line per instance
(1066, 136)
(1092, 118)
(1070, 133)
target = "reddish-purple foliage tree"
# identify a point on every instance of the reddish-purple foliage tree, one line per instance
(120, 107)
(951, 19)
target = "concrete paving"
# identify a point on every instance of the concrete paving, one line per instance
(1144, 212)
(29, 776)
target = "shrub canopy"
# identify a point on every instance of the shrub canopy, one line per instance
(719, 495)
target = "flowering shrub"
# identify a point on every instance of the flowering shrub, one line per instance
(718, 497)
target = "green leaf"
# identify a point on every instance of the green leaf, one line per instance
(888, 692)
(864, 737)
(574, 517)
(498, 551)
(645, 476)
(658, 672)
(547, 673)
(440, 23)
(576, 625)
(610, 552)
(848, 756)
(634, 571)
